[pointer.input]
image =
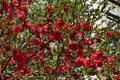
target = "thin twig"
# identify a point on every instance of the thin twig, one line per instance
(37, 51)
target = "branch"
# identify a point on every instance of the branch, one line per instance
(37, 51)
(115, 2)
(113, 20)
(6, 65)
(112, 15)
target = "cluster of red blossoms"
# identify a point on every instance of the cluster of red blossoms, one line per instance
(20, 59)
(76, 47)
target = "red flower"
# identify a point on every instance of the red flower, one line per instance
(72, 36)
(86, 26)
(111, 59)
(47, 69)
(97, 54)
(66, 27)
(15, 2)
(98, 40)
(16, 29)
(28, 23)
(25, 70)
(82, 34)
(20, 65)
(94, 56)
(55, 36)
(23, 7)
(43, 29)
(37, 41)
(59, 24)
(99, 63)
(75, 46)
(29, 1)
(79, 61)
(7, 48)
(75, 76)
(76, 27)
(88, 63)
(88, 41)
(67, 66)
(109, 78)
(40, 24)
(41, 58)
(67, 53)
(117, 77)
(61, 69)
(20, 13)
(50, 9)
(66, 8)
(20, 58)
(110, 33)
(11, 61)
(32, 28)
(84, 23)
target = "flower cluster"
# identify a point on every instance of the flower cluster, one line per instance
(28, 45)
